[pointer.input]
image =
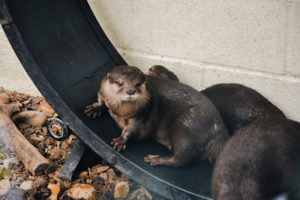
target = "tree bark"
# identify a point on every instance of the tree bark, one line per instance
(15, 141)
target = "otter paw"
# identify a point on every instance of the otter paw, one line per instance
(94, 110)
(118, 144)
(152, 159)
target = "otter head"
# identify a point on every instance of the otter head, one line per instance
(124, 90)
(161, 71)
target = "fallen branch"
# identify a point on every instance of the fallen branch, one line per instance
(15, 141)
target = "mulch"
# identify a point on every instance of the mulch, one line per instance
(101, 176)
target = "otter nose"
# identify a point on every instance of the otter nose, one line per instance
(131, 92)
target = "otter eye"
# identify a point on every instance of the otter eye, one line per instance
(150, 69)
(119, 83)
(139, 84)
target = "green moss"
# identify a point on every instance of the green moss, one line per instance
(2, 173)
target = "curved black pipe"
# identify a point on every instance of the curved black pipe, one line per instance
(66, 54)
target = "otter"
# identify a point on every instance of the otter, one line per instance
(172, 113)
(238, 105)
(256, 163)
(161, 71)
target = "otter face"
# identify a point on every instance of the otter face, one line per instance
(126, 83)
(162, 72)
(155, 70)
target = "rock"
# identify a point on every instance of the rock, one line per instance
(141, 194)
(40, 181)
(100, 169)
(30, 118)
(54, 188)
(82, 191)
(4, 98)
(37, 138)
(53, 197)
(45, 130)
(111, 175)
(65, 185)
(14, 193)
(104, 176)
(27, 102)
(97, 181)
(64, 145)
(26, 185)
(32, 192)
(83, 174)
(45, 191)
(46, 109)
(121, 190)
(89, 181)
(55, 153)
(4, 187)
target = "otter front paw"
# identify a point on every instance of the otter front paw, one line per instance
(153, 160)
(118, 144)
(94, 110)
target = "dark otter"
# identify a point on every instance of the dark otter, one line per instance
(256, 162)
(173, 114)
(161, 71)
(238, 105)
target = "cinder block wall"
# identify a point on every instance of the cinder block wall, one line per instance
(12, 74)
(253, 42)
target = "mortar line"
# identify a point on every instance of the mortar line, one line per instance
(210, 66)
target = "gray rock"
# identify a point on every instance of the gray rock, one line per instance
(4, 187)
(26, 185)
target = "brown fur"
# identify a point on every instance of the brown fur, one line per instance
(238, 105)
(161, 71)
(256, 163)
(173, 114)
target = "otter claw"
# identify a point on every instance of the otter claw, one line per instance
(93, 110)
(118, 144)
(152, 159)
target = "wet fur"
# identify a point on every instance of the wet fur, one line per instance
(239, 105)
(175, 115)
(256, 162)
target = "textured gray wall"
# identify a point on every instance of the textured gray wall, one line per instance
(12, 74)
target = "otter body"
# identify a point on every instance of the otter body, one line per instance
(238, 105)
(169, 112)
(256, 162)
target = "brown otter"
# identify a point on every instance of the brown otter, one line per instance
(238, 105)
(256, 163)
(161, 71)
(173, 114)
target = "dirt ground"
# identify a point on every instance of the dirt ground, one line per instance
(104, 181)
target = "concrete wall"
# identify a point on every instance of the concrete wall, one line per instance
(12, 74)
(253, 42)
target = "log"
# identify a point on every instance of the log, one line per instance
(16, 142)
